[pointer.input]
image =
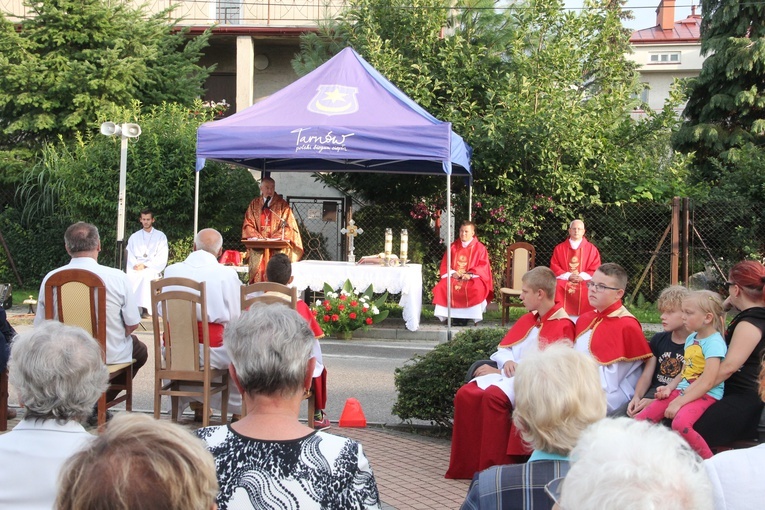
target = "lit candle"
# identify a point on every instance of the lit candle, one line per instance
(404, 245)
(388, 242)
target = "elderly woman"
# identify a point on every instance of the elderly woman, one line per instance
(736, 415)
(558, 395)
(58, 375)
(635, 465)
(268, 459)
(139, 462)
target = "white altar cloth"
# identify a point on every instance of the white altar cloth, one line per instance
(406, 279)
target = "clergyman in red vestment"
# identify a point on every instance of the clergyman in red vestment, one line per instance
(269, 217)
(483, 431)
(574, 261)
(469, 277)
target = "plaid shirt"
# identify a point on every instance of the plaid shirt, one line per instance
(514, 487)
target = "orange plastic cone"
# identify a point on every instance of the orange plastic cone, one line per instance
(353, 415)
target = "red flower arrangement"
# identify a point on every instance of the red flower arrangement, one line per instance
(348, 310)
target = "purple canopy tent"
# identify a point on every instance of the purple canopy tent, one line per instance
(344, 116)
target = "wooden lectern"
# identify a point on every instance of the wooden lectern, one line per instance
(266, 246)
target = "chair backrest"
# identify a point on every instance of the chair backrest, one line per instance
(520, 258)
(174, 302)
(268, 292)
(77, 297)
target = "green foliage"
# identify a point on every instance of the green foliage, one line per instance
(75, 58)
(427, 384)
(35, 250)
(79, 181)
(725, 105)
(543, 95)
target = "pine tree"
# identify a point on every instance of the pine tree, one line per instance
(73, 58)
(726, 106)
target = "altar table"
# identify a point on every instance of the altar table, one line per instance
(406, 279)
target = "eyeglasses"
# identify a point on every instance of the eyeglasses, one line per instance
(599, 287)
(552, 489)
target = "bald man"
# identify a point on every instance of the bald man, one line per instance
(222, 287)
(574, 261)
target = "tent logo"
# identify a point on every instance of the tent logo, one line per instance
(334, 100)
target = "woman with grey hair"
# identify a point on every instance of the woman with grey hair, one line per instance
(58, 374)
(268, 459)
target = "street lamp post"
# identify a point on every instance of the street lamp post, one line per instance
(124, 131)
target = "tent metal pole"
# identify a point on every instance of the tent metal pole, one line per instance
(470, 198)
(196, 203)
(448, 242)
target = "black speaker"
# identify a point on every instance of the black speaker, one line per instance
(6, 295)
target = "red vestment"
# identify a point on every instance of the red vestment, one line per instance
(266, 223)
(555, 325)
(616, 335)
(483, 434)
(466, 293)
(585, 259)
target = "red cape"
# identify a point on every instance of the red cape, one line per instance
(585, 259)
(555, 325)
(616, 335)
(472, 259)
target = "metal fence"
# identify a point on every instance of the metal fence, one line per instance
(717, 234)
(640, 237)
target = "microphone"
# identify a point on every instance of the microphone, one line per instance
(281, 222)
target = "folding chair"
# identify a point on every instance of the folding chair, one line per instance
(174, 302)
(77, 297)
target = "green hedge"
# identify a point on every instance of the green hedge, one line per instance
(426, 385)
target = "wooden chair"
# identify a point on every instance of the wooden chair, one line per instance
(77, 297)
(268, 293)
(4, 400)
(520, 258)
(175, 301)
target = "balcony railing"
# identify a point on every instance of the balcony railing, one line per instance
(276, 13)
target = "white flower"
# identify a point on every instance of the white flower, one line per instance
(318, 302)
(344, 292)
(375, 311)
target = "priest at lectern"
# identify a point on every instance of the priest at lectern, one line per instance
(270, 219)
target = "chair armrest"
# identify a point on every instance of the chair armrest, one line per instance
(469, 374)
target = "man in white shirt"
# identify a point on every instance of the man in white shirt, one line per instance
(146, 258)
(222, 287)
(83, 244)
(58, 374)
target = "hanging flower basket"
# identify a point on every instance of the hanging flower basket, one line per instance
(345, 311)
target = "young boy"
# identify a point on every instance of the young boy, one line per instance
(612, 335)
(667, 348)
(279, 270)
(482, 408)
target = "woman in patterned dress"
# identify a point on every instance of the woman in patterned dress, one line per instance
(268, 459)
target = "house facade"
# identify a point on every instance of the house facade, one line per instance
(668, 51)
